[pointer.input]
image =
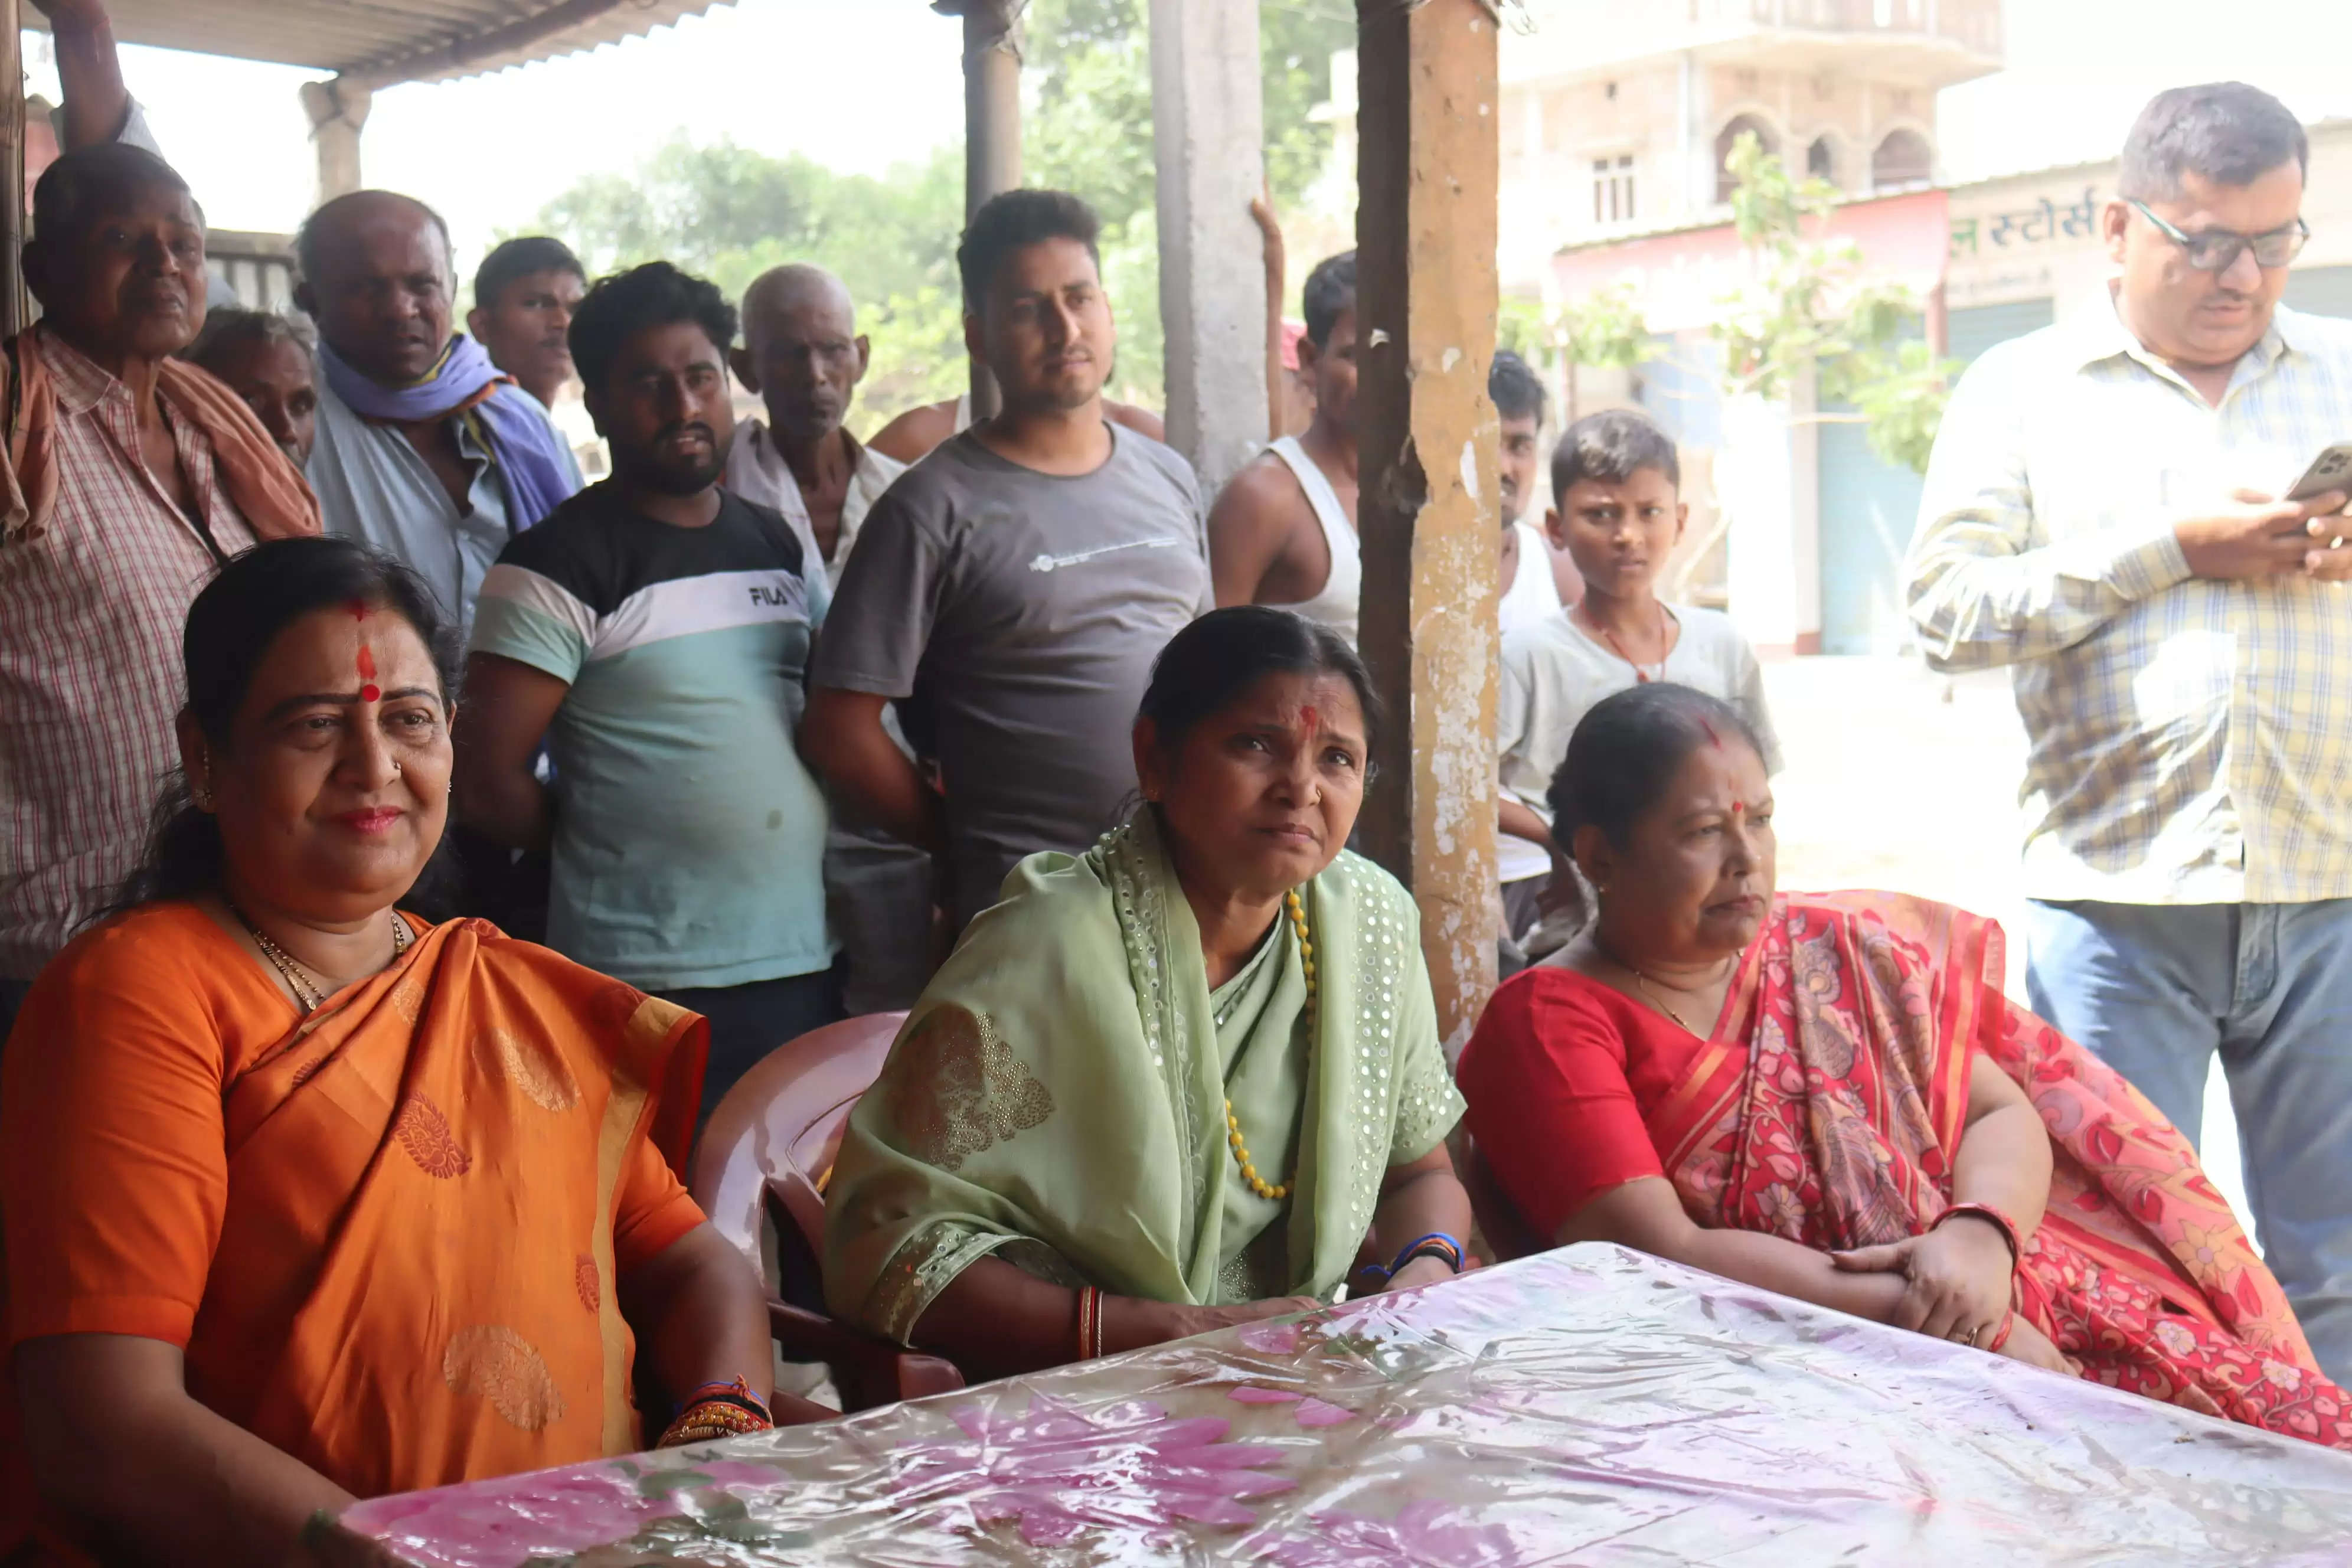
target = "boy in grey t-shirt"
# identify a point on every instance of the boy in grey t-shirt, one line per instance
(1016, 584)
(1618, 511)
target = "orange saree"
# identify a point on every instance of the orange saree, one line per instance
(388, 1236)
(1829, 1103)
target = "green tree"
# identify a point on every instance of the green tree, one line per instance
(1808, 304)
(1602, 331)
(1088, 130)
(730, 213)
(1807, 301)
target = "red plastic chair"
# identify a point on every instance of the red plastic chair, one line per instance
(768, 1143)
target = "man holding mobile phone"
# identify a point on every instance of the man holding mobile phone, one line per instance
(2182, 649)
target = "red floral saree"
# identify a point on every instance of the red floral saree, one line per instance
(1828, 1105)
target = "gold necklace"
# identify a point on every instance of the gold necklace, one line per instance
(307, 996)
(1258, 1184)
(1643, 981)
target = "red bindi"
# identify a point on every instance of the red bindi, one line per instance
(1307, 718)
(369, 691)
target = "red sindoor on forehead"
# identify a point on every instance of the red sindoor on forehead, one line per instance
(369, 692)
(358, 608)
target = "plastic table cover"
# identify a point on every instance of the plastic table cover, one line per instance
(1591, 1406)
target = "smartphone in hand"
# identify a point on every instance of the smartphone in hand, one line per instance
(2331, 470)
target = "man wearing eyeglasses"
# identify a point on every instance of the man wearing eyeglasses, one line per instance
(2104, 515)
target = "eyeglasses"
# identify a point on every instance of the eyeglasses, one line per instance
(2218, 249)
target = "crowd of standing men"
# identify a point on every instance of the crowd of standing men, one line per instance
(759, 721)
(663, 768)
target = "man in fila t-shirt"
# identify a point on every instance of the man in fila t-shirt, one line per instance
(653, 631)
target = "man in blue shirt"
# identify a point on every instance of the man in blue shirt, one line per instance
(423, 449)
(654, 631)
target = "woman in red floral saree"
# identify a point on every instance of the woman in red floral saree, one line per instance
(1868, 1123)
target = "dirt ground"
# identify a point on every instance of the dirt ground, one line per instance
(1897, 777)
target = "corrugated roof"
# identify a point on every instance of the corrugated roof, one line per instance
(381, 42)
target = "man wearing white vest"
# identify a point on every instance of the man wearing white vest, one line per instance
(1284, 529)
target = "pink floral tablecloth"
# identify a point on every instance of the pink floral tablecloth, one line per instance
(1592, 1406)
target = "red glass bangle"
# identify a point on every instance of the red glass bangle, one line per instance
(2007, 1225)
(1089, 1322)
(2000, 1335)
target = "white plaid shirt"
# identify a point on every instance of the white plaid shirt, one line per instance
(2190, 741)
(90, 614)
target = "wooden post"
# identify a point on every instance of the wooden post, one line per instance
(992, 122)
(1426, 296)
(14, 307)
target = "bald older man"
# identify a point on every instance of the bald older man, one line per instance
(803, 357)
(423, 449)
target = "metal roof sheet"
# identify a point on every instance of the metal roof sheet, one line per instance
(380, 42)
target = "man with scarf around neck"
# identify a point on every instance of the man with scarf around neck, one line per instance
(423, 449)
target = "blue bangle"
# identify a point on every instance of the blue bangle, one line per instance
(1413, 1247)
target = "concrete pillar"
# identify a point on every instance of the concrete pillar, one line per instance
(1696, 107)
(992, 122)
(1425, 236)
(1768, 473)
(1208, 133)
(338, 111)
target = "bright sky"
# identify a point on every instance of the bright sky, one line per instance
(863, 84)
(858, 84)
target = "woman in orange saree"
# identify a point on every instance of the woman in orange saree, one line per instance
(1868, 1123)
(305, 1199)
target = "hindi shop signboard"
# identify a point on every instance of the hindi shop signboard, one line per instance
(2032, 237)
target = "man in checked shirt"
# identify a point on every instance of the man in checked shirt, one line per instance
(2102, 514)
(127, 477)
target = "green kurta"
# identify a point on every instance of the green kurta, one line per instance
(1058, 1095)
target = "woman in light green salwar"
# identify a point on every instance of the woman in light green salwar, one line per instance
(1180, 1081)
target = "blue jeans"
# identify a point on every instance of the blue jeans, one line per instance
(2155, 990)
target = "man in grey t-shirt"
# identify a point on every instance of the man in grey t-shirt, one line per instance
(1016, 584)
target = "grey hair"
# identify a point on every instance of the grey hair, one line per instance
(2224, 133)
(82, 185)
(231, 327)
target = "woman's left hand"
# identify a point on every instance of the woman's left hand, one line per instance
(1960, 1276)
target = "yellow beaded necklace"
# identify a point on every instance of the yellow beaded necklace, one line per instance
(1258, 1184)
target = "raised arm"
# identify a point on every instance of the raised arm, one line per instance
(97, 103)
(1277, 269)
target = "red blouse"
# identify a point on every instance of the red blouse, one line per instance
(1561, 1077)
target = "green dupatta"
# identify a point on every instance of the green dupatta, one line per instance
(1058, 1093)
